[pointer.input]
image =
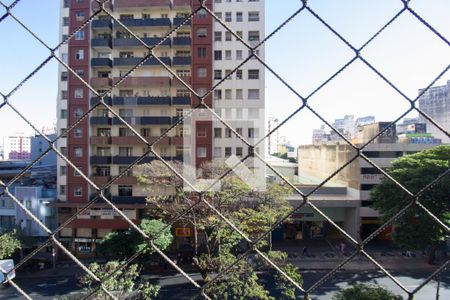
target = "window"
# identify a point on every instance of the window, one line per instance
(228, 54)
(239, 33)
(253, 94)
(78, 93)
(78, 132)
(217, 152)
(218, 14)
(126, 112)
(201, 14)
(125, 131)
(78, 191)
(103, 131)
(125, 190)
(239, 151)
(218, 55)
(239, 74)
(228, 17)
(63, 113)
(201, 132)
(228, 133)
(253, 132)
(201, 91)
(217, 94)
(239, 116)
(201, 72)
(228, 94)
(76, 173)
(239, 94)
(217, 132)
(79, 55)
(227, 74)
(63, 151)
(78, 152)
(103, 151)
(239, 131)
(62, 170)
(127, 172)
(79, 16)
(253, 74)
(202, 32)
(239, 54)
(65, 21)
(64, 76)
(125, 151)
(62, 190)
(201, 152)
(79, 35)
(218, 36)
(63, 95)
(239, 17)
(227, 36)
(64, 57)
(253, 16)
(217, 74)
(228, 151)
(146, 132)
(78, 112)
(80, 72)
(201, 52)
(66, 3)
(103, 171)
(253, 36)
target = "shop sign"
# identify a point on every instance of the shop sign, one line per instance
(183, 232)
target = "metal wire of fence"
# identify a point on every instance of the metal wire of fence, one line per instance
(104, 7)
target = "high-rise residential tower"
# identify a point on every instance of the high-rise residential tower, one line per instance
(150, 98)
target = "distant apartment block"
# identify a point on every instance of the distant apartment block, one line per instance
(16, 147)
(435, 102)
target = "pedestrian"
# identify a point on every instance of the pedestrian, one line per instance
(305, 251)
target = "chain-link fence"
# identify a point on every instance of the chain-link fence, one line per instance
(105, 7)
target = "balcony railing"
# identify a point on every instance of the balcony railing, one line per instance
(181, 100)
(178, 21)
(132, 42)
(100, 160)
(164, 22)
(182, 40)
(141, 3)
(143, 81)
(100, 140)
(141, 101)
(95, 100)
(100, 82)
(100, 120)
(143, 120)
(134, 140)
(101, 62)
(129, 199)
(101, 42)
(133, 61)
(181, 60)
(101, 24)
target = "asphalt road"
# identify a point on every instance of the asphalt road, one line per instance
(177, 287)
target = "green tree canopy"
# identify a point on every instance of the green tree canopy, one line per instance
(9, 243)
(365, 292)
(416, 229)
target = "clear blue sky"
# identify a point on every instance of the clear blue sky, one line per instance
(304, 53)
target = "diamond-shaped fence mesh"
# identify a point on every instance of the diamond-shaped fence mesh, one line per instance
(199, 197)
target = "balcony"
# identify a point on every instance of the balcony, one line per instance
(134, 140)
(100, 180)
(101, 62)
(143, 81)
(186, 79)
(141, 3)
(143, 120)
(141, 100)
(181, 60)
(100, 140)
(178, 21)
(100, 121)
(159, 22)
(100, 82)
(176, 140)
(101, 24)
(132, 42)
(100, 42)
(133, 61)
(181, 41)
(182, 3)
(129, 199)
(100, 160)
(126, 180)
(181, 100)
(95, 100)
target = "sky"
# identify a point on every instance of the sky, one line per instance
(304, 53)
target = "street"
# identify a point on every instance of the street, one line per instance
(177, 287)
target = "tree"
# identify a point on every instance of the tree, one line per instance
(365, 292)
(125, 244)
(122, 283)
(253, 212)
(9, 243)
(416, 229)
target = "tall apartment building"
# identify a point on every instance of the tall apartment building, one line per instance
(16, 147)
(151, 99)
(435, 102)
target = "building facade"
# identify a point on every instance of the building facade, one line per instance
(151, 99)
(16, 147)
(435, 102)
